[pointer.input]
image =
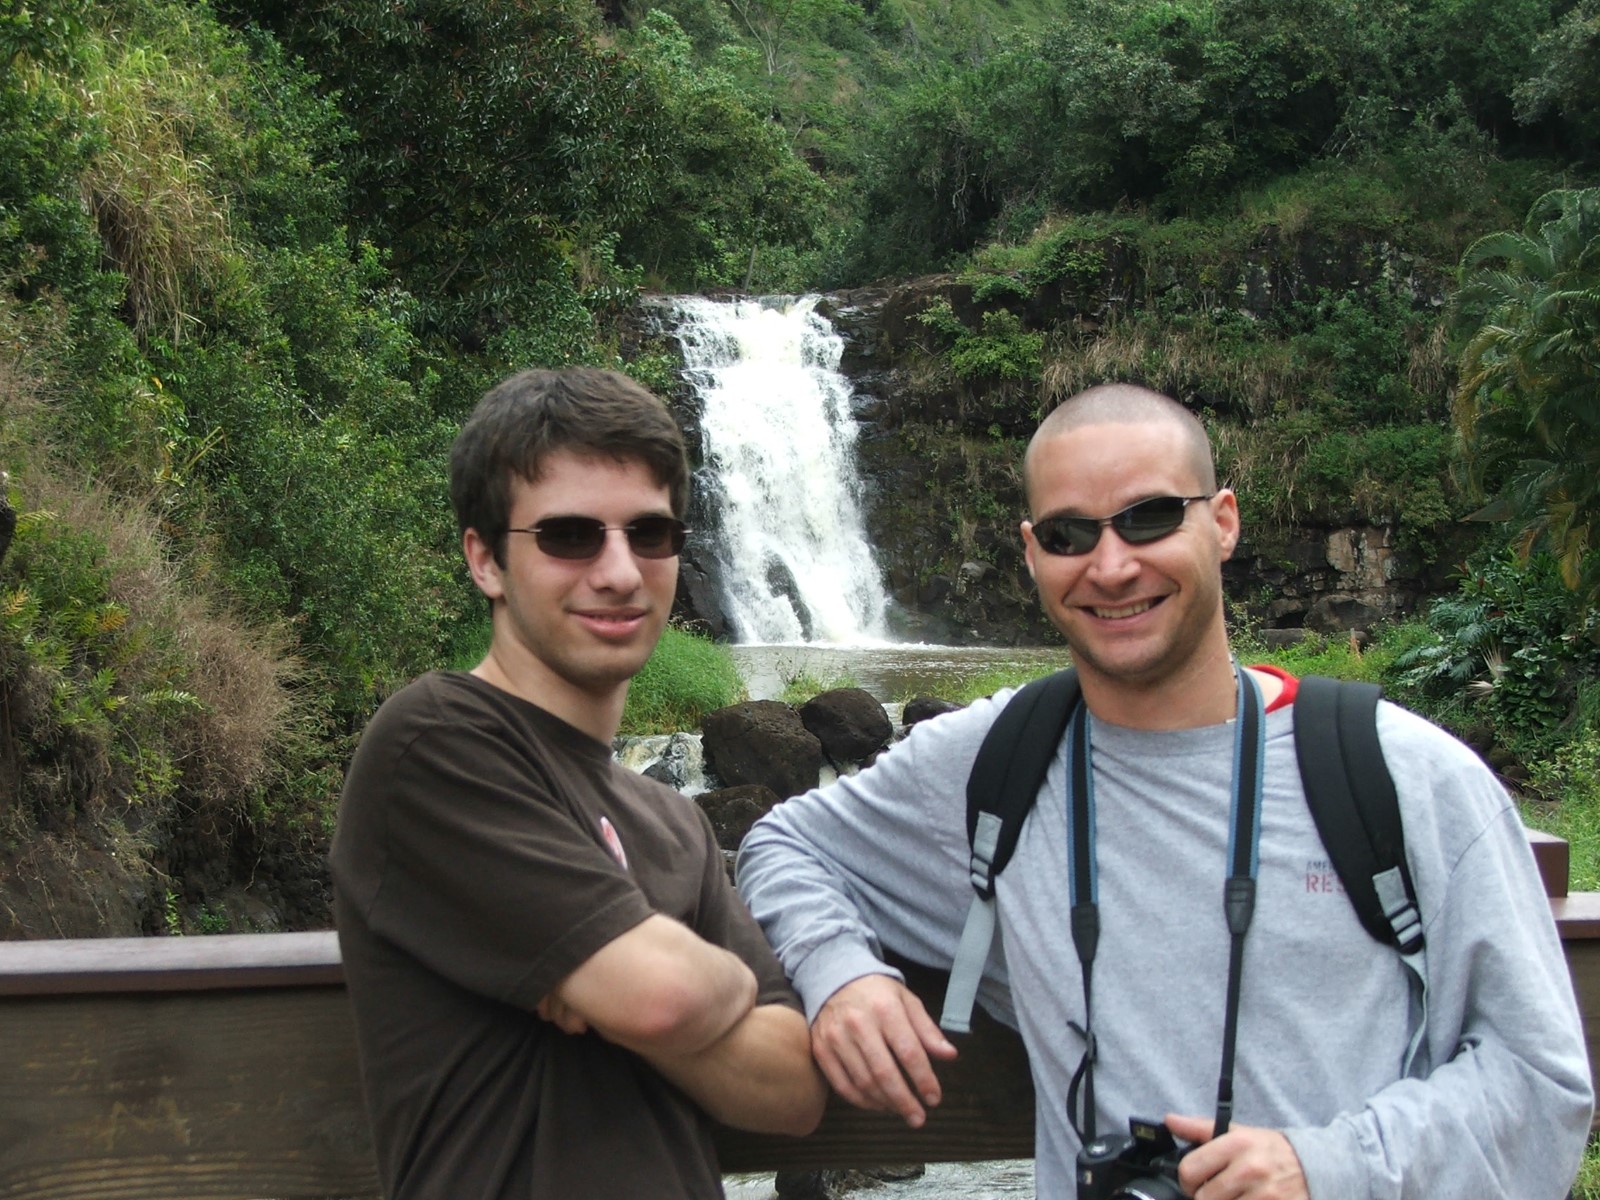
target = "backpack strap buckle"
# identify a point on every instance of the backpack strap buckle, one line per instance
(977, 935)
(1399, 909)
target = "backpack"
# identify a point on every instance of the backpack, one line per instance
(1347, 786)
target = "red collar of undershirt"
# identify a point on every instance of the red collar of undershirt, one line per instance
(1291, 685)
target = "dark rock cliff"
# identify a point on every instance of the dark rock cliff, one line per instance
(940, 454)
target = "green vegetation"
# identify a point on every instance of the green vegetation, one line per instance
(688, 676)
(1530, 303)
(1507, 667)
(135, 707)
(965, 689)
(1515, 650)
(257, 260)
(1587, 1185)
(1182, 105)
(800, 686)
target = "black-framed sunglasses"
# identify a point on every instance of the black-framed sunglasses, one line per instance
(1147, 521)
(584, 537)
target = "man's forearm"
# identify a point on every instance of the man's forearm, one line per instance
(757, 1076)
(660, 988)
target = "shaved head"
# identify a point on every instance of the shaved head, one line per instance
(1124, 404)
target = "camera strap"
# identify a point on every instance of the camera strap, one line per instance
(1239, 889)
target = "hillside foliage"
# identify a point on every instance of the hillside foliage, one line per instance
(257, 260)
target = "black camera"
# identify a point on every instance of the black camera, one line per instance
(1140, 1166)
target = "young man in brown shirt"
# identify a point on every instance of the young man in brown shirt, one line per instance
(555, 988)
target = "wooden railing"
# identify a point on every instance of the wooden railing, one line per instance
(225, 1068)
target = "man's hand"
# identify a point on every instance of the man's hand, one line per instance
(873, 1040)
(566, 1019)
(1244, 1162)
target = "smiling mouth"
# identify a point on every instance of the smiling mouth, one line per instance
(1126, 610)
(617, 619)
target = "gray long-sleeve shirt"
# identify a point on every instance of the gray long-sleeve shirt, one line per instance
(880, 859)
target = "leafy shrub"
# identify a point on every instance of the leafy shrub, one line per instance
(1383, 474)
(1570, 776)
(1513, 648)
(1567, 61)
(1362, 340)
(1335, 656)
(128, 692)
(494, 139)
(727, 182)
(1003, 351)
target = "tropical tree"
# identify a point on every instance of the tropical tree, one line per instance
(1528, 403)
(498, 142)
(727, 183)
(1567, 57)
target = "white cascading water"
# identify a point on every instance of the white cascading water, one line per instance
(780, 440)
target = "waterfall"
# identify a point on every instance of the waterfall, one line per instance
(779, 450)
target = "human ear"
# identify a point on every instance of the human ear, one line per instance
(1225, 512)
(486, 572)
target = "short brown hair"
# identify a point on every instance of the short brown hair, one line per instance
(525, 418)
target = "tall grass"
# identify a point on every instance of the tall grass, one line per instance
(687, 677)
(1570, 779)
(162, 217)
(966, 689)
(803, 685)
(1338, 657)
(1587, 1185)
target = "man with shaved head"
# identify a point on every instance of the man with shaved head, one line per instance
(1350, 1081)
(1123, 404)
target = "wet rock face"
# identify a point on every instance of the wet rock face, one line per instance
(943, 492)
(733, 810)
(923, 708)
(763, 742)
(833, 1185)
(1330, 580)
(681, 764)
(849, 723)
(940, 458)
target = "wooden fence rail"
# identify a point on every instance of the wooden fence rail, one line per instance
(225, 1068)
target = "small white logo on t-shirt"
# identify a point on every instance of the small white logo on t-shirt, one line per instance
(608, 833)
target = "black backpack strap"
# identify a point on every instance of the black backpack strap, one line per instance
(1353, 802)
(1011, 766)
(1006, 776)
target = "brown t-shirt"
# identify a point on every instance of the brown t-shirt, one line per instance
(484, 850)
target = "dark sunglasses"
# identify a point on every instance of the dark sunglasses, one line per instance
(584, 537)
(1147, 521)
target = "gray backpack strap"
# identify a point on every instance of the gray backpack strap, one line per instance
(1417, 1063)
(977, 936)
(1006, 776)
